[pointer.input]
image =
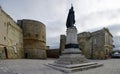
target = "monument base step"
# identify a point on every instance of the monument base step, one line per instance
(75, 67)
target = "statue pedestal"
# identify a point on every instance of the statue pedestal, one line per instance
(71, 58)
(71, 53)
(71, 46)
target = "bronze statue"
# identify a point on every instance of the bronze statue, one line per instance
(71, 18)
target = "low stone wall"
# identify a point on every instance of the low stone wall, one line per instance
(35, 54)
(53, 53)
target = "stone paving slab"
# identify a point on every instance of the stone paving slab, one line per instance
(29, 66)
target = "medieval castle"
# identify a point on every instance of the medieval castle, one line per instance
(27, 39)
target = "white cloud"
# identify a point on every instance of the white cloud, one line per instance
(99, 19)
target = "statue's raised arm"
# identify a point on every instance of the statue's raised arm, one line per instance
(71, 18)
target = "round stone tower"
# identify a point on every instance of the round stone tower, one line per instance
(34, 35)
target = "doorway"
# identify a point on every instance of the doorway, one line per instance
(26, 55)
(6, 52)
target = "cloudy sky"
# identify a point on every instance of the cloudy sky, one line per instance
(90, 15)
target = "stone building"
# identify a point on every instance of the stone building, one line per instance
(11, 37)
(34, 38)
(96, 45)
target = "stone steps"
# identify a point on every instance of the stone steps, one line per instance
(76, 67)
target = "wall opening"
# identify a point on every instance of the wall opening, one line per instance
(6, 52)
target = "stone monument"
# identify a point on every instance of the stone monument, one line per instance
(71, 58)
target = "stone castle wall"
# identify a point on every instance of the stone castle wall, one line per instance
(84, 41)
(34, 35)
(98, 44)
(11, 37)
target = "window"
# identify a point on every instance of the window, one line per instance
(43, 37)
(36, 35)
(4, 38)
(95, 41)
(106, 39)
(4, 23)
(28, 34)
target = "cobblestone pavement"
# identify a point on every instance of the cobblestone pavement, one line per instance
(27, 66)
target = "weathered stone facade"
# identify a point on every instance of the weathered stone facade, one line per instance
(85, 44)
(62, 43)
(96, 45)
(26, 38)
(11, 37)
(34, 37)
(53, 53)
